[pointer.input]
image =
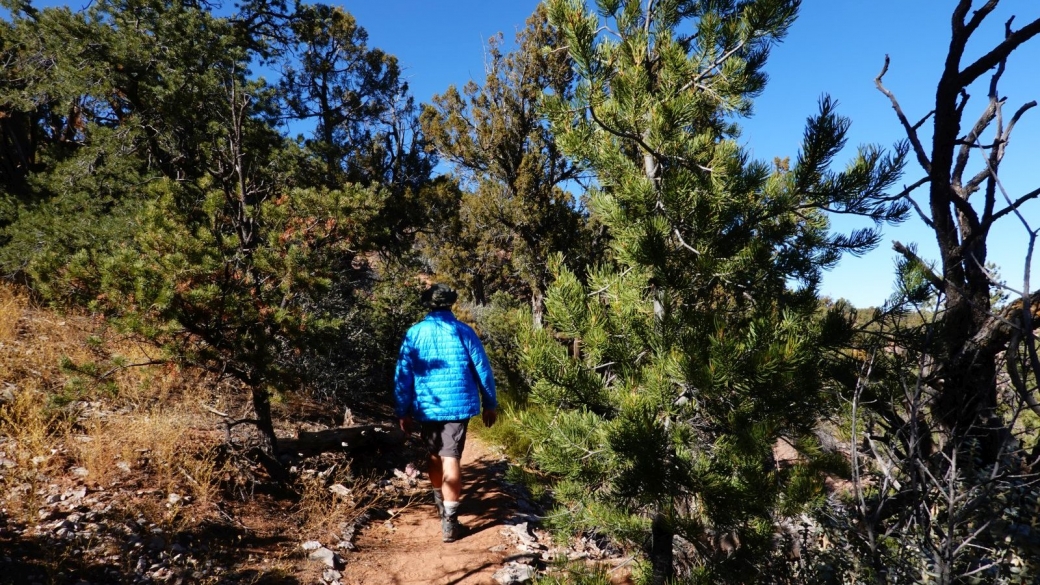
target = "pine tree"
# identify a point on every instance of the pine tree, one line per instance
(662, 385)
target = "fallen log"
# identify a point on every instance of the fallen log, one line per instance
(342, 439)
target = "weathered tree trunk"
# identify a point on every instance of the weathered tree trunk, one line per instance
(661, 536)
(264, 422)
(537, 307)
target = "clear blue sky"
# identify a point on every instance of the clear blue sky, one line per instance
(835, 47)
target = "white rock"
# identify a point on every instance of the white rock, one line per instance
(327, 557)
(523, 532)
(340, 490)
(311, 545)
(514, 573)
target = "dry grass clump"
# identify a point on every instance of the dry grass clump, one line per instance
(163, 444)
(11, 306)
(34, 343)
(75, 396)
(320, 509)
(28, 438)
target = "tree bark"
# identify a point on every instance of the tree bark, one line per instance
(264, 422)
(661, 536)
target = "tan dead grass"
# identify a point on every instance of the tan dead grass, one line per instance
(320, 510)
(30, 433)
(11, 306)
(161, 443)
(84, 396)
(76, 396)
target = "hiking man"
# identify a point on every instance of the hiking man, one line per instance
(443, 376)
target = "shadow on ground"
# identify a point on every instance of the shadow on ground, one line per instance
(117, 554)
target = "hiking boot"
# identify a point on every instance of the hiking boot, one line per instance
(451, 529)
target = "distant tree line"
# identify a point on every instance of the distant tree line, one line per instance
(256, 193)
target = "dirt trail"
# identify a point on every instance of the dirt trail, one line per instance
(409, 550)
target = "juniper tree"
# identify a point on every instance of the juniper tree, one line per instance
(365, 123)
(517, 211)
(666, 380)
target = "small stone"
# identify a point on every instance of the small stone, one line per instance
(340, 490)
(327, 557)
(514, 573)
(330, 575)
(311, 545)
(173, 499)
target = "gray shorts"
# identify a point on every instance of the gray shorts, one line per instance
(446, 438)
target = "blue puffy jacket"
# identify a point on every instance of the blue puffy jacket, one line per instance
(443, 372)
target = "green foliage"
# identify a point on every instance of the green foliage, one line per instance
(153, 184)
(663, 380)
(517, 211)
(497, 323)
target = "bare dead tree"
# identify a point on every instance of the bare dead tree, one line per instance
(923, 511)
(942, 466)
(962, 210)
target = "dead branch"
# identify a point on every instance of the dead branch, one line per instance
(911, 130)
(933, 278)
(343, 439)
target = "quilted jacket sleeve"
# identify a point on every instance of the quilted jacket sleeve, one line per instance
(481, 367)
(404, 379)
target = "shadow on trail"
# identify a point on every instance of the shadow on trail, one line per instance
(482, 495)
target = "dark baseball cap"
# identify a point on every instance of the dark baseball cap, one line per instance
(439, 296)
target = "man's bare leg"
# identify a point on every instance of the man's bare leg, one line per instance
(446, 477)
(436, 472)
(451, 478)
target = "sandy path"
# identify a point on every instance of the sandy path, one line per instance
(411, 553)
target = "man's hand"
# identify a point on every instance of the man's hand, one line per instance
(407, 424)
(489, 416)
